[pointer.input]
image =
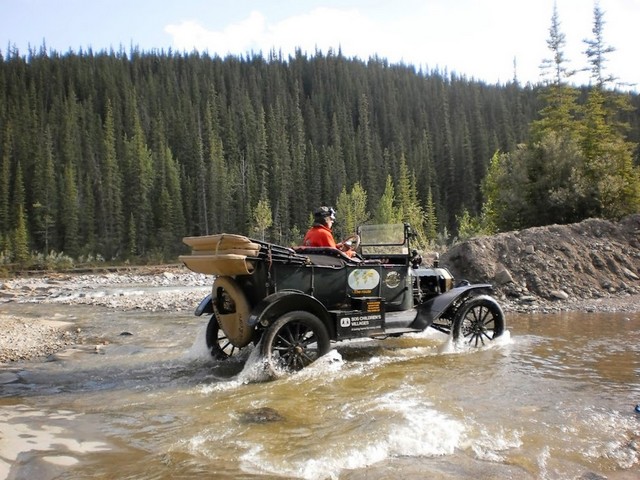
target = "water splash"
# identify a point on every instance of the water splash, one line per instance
(491, 446)
(451, 346)
(376, 429)
(199, 349)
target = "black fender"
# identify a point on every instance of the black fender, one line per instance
(277, 304)
(438, 306)
(205, 306)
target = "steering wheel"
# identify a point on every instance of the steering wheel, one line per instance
(351, 243)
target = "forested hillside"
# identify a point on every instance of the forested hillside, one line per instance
(122, 154)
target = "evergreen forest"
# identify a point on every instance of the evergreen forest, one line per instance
(119, 155)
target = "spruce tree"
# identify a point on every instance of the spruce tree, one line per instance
(20, 238)
(299, 198)
(45, 196)
(558, 97)
(409, 209)
(430, 219)
(220, 178)
(110, 200)
(367, 164)
(597, 51)
(69, 211)
(280, 178)
(139, 162)
(175, 217)
(5, 176)
(609, 183)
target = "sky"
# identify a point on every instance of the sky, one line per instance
(488, 40)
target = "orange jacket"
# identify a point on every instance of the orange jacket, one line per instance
(319, 236)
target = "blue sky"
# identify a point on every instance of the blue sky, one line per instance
(476, 38)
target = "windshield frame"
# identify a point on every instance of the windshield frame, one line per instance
(384, 239)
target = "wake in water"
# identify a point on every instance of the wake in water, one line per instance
(255, 370)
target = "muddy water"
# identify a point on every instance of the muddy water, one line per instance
(554, 399)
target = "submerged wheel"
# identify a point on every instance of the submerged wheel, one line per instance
(294, 341)
(479, 320)
(218, 343)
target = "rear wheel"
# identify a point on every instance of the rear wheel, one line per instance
(218, 343)
(294, 341)
(479, 321)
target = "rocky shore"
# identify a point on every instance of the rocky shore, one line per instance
(593, 266)
(147, 289)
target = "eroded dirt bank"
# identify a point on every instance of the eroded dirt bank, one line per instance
(592, 265)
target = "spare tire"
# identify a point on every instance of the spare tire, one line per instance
(232, 309)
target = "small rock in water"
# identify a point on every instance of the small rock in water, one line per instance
(260, 415)
(126, 334)
(592, 476)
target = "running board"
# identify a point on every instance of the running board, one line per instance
(390, 332)
(398, 322)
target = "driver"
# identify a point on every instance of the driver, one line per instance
(319, 235)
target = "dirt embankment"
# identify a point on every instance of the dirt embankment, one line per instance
(592, 265)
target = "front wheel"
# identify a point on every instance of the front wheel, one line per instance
(294, 341)
(479, 320)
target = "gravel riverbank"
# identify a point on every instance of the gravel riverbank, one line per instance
(172, 289)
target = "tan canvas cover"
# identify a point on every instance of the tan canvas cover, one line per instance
(221, 254)
(221, 264)
(220, 242)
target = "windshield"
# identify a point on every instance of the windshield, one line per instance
(383, 239)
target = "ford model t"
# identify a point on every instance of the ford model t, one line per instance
(293, 302)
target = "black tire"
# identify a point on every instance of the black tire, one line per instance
(294, 341)
(219, 345)
(479, 320)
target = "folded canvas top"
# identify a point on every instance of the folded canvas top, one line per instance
(220, 254)
(230, 254)
(227, 264)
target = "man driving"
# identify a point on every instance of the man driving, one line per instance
(320, 235)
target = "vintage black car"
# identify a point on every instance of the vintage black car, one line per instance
(293, 302)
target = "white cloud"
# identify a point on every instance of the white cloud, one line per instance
(321, 28)
(236, 38)
(472, 38)
(430, 36)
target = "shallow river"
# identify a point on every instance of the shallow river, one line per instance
(554, 399)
